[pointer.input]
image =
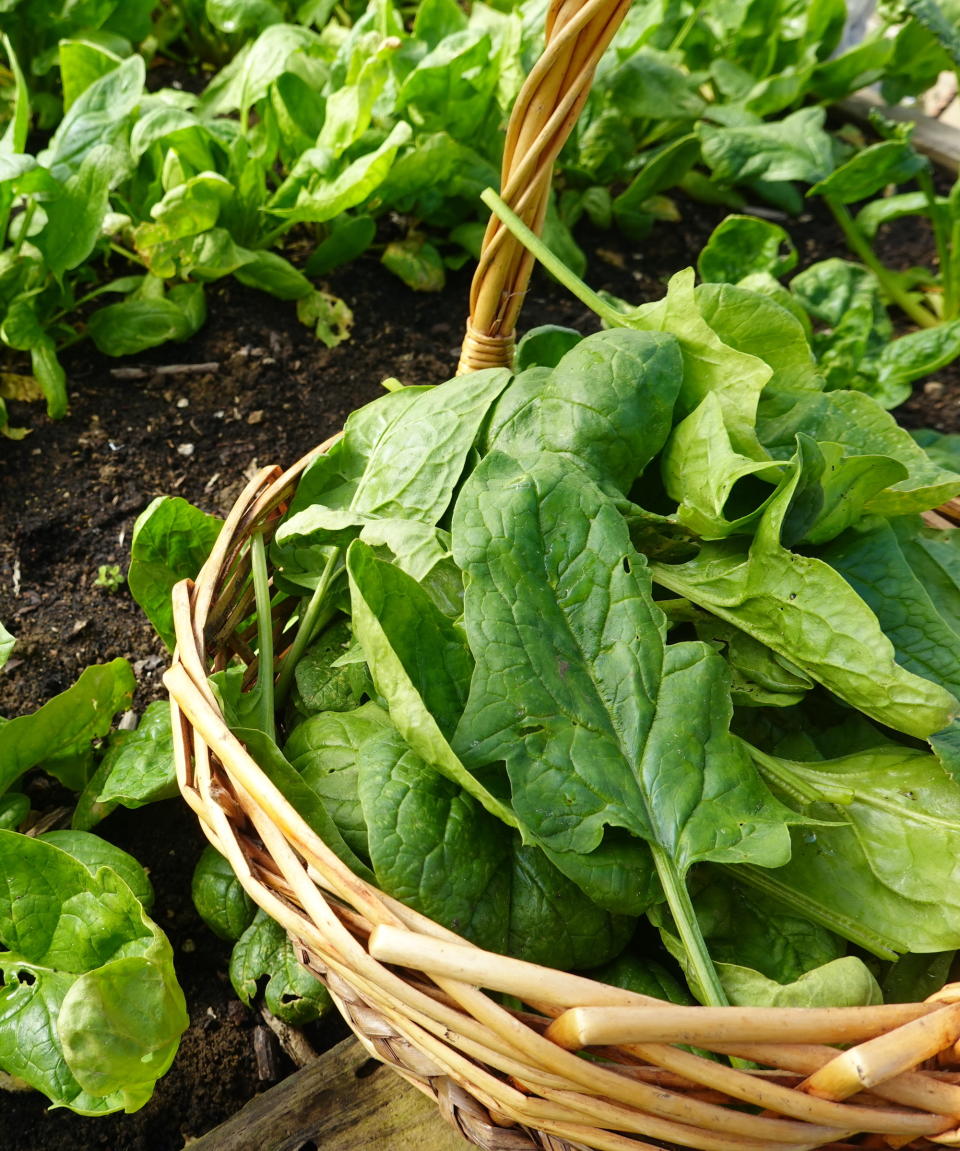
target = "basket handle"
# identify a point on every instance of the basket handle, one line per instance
(546, 109)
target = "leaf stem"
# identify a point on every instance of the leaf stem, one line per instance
(261, 593)
(942, 241)
(309, 624)
(685, 918)
(554, 265)
(861, 247)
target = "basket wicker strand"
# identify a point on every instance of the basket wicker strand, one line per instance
(415, 993)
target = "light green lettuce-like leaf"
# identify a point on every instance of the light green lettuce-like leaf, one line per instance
(453, 88)
(94, 852)
(91, 1012)
(75, 218)
(758, 676)
(330, 195)
(388, 620)
(99, 116)
(417, 263)
(7, 644)
(663, 169)
(423, 552)
(794, 148)
(843, 982)
(802, 609)
(862, 428)
(608, 404)
(911, 356)
(575, 687)
(171, 541)
(742, 245)
(81, 63)
(886, 209)
(270, 272)
(292, 993)
(709, 365)
(68, 723)
(833, 490)
(871, 560)
(701, 470)
(249, 74)
(349, 110)
(437, 850)
(759, 325)
(219, 897)
(890, 861)
(22, 329)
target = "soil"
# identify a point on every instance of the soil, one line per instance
(267, 393)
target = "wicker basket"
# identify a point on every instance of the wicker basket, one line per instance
(414, 992)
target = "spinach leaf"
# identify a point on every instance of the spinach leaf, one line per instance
(264, 952)
(576, 690)
(92, 1012)
(66, 724)
(323, 685)
(326, 749)
(219, 897)
(871, 560)
(886, 862)
(171, 540)
(802, 609)
(390, 618)
(436, 849)
(608, 404)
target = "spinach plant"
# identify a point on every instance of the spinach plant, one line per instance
(554, 625)
(91, 1008)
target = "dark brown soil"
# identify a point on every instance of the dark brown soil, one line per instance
(72, 490)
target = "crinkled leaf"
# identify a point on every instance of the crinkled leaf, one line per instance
(575, 688)
(94, 852)
(436, 849)
(869, 170)
(326, 750)
(91, 1012)
(292, 993)
(142, 768)
(870, 559)
(608, 404)
(219, 897)
(794, 148)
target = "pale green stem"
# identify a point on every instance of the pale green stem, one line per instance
(685, 918)
(532, 242)
(261, 594)
(942, 240)
(861, 247)
(309, 624)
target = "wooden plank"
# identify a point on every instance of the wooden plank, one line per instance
(329, 1104)
(939, 141)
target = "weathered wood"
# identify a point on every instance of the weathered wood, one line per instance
(329, 1104)
(940, 142)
